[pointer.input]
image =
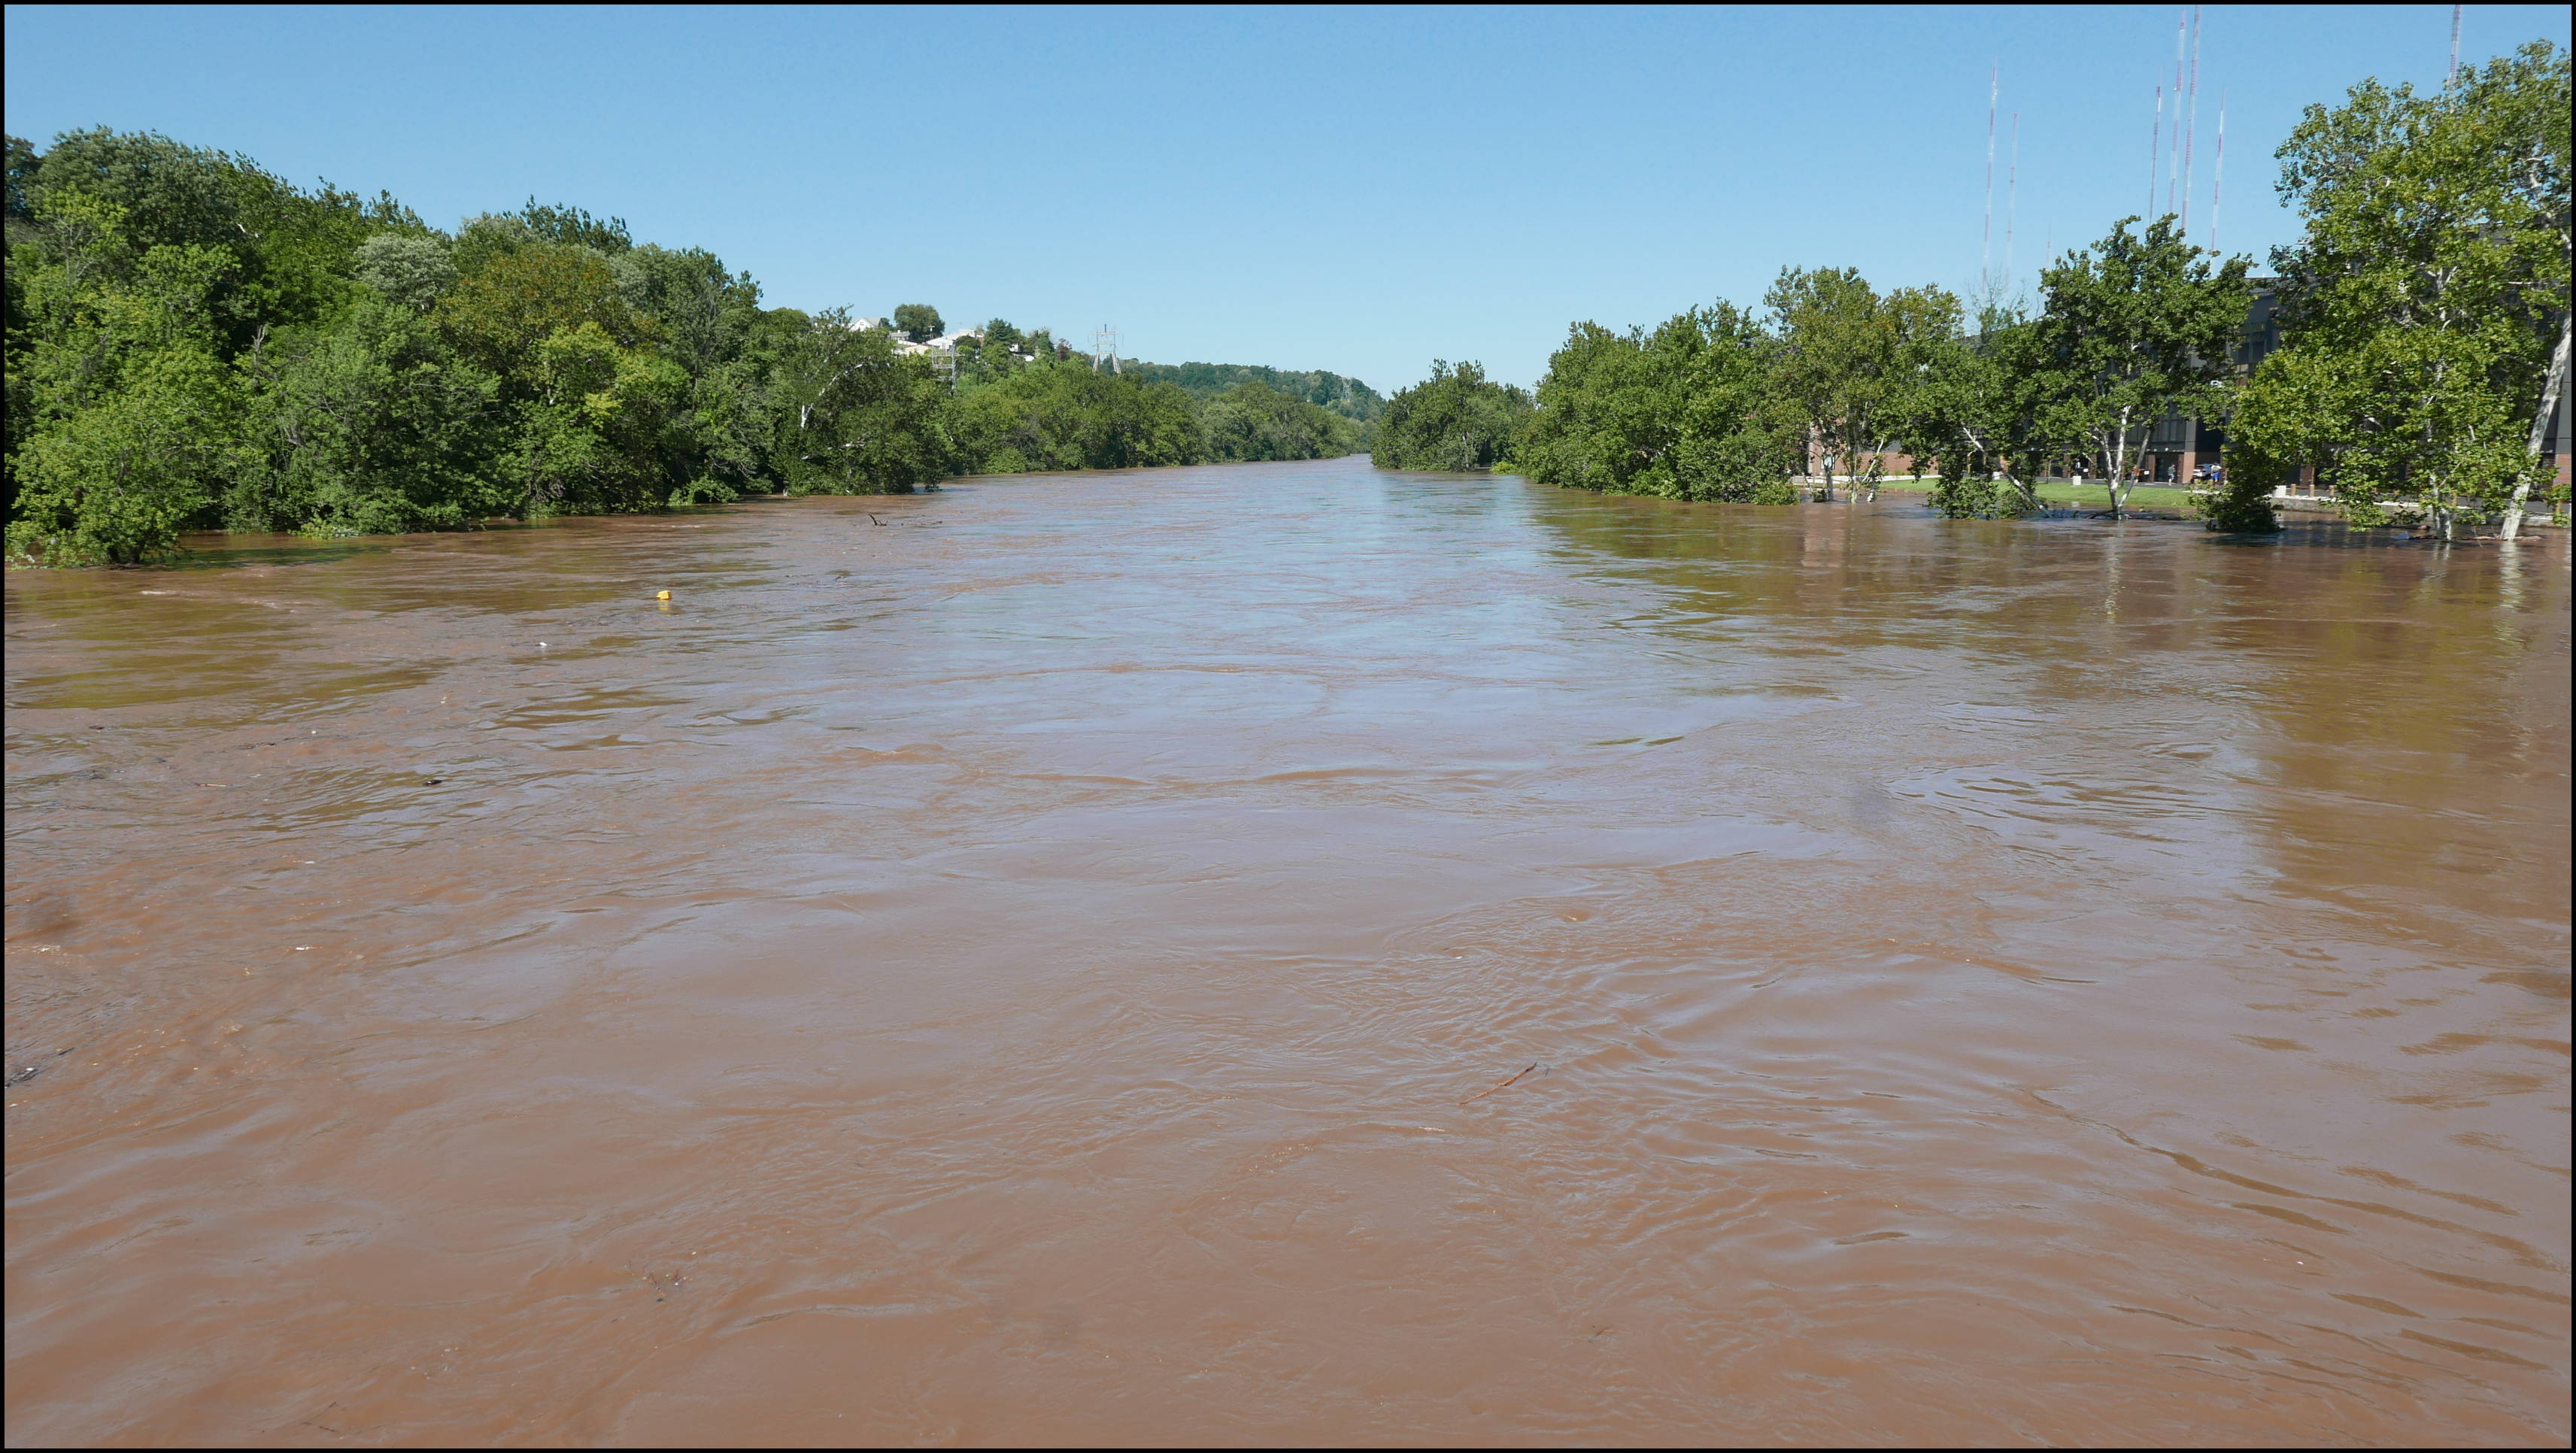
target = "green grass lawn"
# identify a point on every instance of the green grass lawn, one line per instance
(2091, 496)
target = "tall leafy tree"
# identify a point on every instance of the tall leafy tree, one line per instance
(573, 227)
(127, 421)
(918, 322)
(2131, 330)
(2426, 305)
(1836, 361)
(411, 271)
(368, 425)
(854, 417)
(1970, 407)
(1687, 411)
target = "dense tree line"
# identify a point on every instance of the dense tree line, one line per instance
(2424, 316)
(194, 343)
(1027, 402)
(1332, 392)
(1809, 395)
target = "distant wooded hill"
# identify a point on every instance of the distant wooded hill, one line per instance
(1347, 397)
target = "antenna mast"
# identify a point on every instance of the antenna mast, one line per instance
(2173, 152)
(1986, 250)
(2191, 136)
(2218, 183)
(2452, 78)
(2012, 200)
(2155, 152)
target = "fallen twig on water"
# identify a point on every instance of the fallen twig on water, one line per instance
(1505, 1085)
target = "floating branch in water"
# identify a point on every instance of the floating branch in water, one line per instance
(1505, 1085)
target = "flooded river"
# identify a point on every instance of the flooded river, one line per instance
(1291, 953)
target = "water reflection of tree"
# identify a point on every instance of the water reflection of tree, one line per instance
(2425, 689)
(2349, 678)
(1830, 575)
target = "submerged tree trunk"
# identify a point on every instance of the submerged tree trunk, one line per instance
(2550, 393)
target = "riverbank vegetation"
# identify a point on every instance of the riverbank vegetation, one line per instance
(194, 343)
(2424, 327)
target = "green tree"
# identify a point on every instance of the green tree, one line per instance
(125, 422)
(2425, 307)
(499, 314)
(1835, 355)
(918, 322)
(701, 312)
(573, 227)
(134, 423)
(410, 270)
(594, 436)
(1970, 408)
(854, 417)
(1684, 412)
(999, 349)
(368, 425)
(118, 482)
(2133, 330)
(1455, 420)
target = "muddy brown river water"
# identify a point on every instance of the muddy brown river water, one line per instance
(1291, 953)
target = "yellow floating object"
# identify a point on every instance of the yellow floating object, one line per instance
(661, 595)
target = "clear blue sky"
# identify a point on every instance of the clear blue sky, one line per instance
(1360, 190)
